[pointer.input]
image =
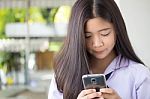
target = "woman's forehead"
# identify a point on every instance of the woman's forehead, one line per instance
(97, 24)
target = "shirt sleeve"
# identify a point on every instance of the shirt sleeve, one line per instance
(53, 91)
(144, 88)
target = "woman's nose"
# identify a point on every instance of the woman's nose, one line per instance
(97, 42)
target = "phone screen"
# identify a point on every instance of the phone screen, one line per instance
(94, 81)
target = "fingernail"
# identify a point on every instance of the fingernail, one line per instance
(101, 90)
(99, 93)
(94, 90)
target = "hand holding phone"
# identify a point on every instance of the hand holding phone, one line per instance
(94, 81)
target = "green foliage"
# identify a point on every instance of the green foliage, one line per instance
(52, 15)
(49, 14)
(63, 14)
(11, 60)
(45, 13)
(10, 16)
(3, 19)
(4, 57)
(55, 46)
(36, 15)
(19, 14)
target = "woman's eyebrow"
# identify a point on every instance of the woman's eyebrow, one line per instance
(99, 30)
(104, 29)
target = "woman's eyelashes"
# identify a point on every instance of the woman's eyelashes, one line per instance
(105, 34)
(88, 35)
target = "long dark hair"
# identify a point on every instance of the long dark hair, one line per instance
(72, 60)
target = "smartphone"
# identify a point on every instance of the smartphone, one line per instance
(94, 81)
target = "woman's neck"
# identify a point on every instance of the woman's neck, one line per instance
(100, 65)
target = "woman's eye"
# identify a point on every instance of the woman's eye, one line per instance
(87, 35)
(105, 34)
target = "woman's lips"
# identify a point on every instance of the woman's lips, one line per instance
(99, 51)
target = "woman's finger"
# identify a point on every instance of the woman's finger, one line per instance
(107, 90)
(109, 93)
(86, 92)
(93, 95)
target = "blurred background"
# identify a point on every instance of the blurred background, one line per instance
(32, 32)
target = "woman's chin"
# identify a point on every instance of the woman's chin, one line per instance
(100, 56)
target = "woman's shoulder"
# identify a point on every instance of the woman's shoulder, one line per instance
(53, 91)
(140, 72)
(138, 68)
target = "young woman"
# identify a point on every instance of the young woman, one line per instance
(97, 42)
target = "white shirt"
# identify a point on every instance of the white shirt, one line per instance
(130, 80)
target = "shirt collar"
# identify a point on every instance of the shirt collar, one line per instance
(116, 64)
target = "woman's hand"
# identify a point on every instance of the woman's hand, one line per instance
(108, 93)
(105, 93)
(89, 94)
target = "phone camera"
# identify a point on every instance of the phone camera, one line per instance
(93, 80)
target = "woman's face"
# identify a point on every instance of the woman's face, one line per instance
(100, 37)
